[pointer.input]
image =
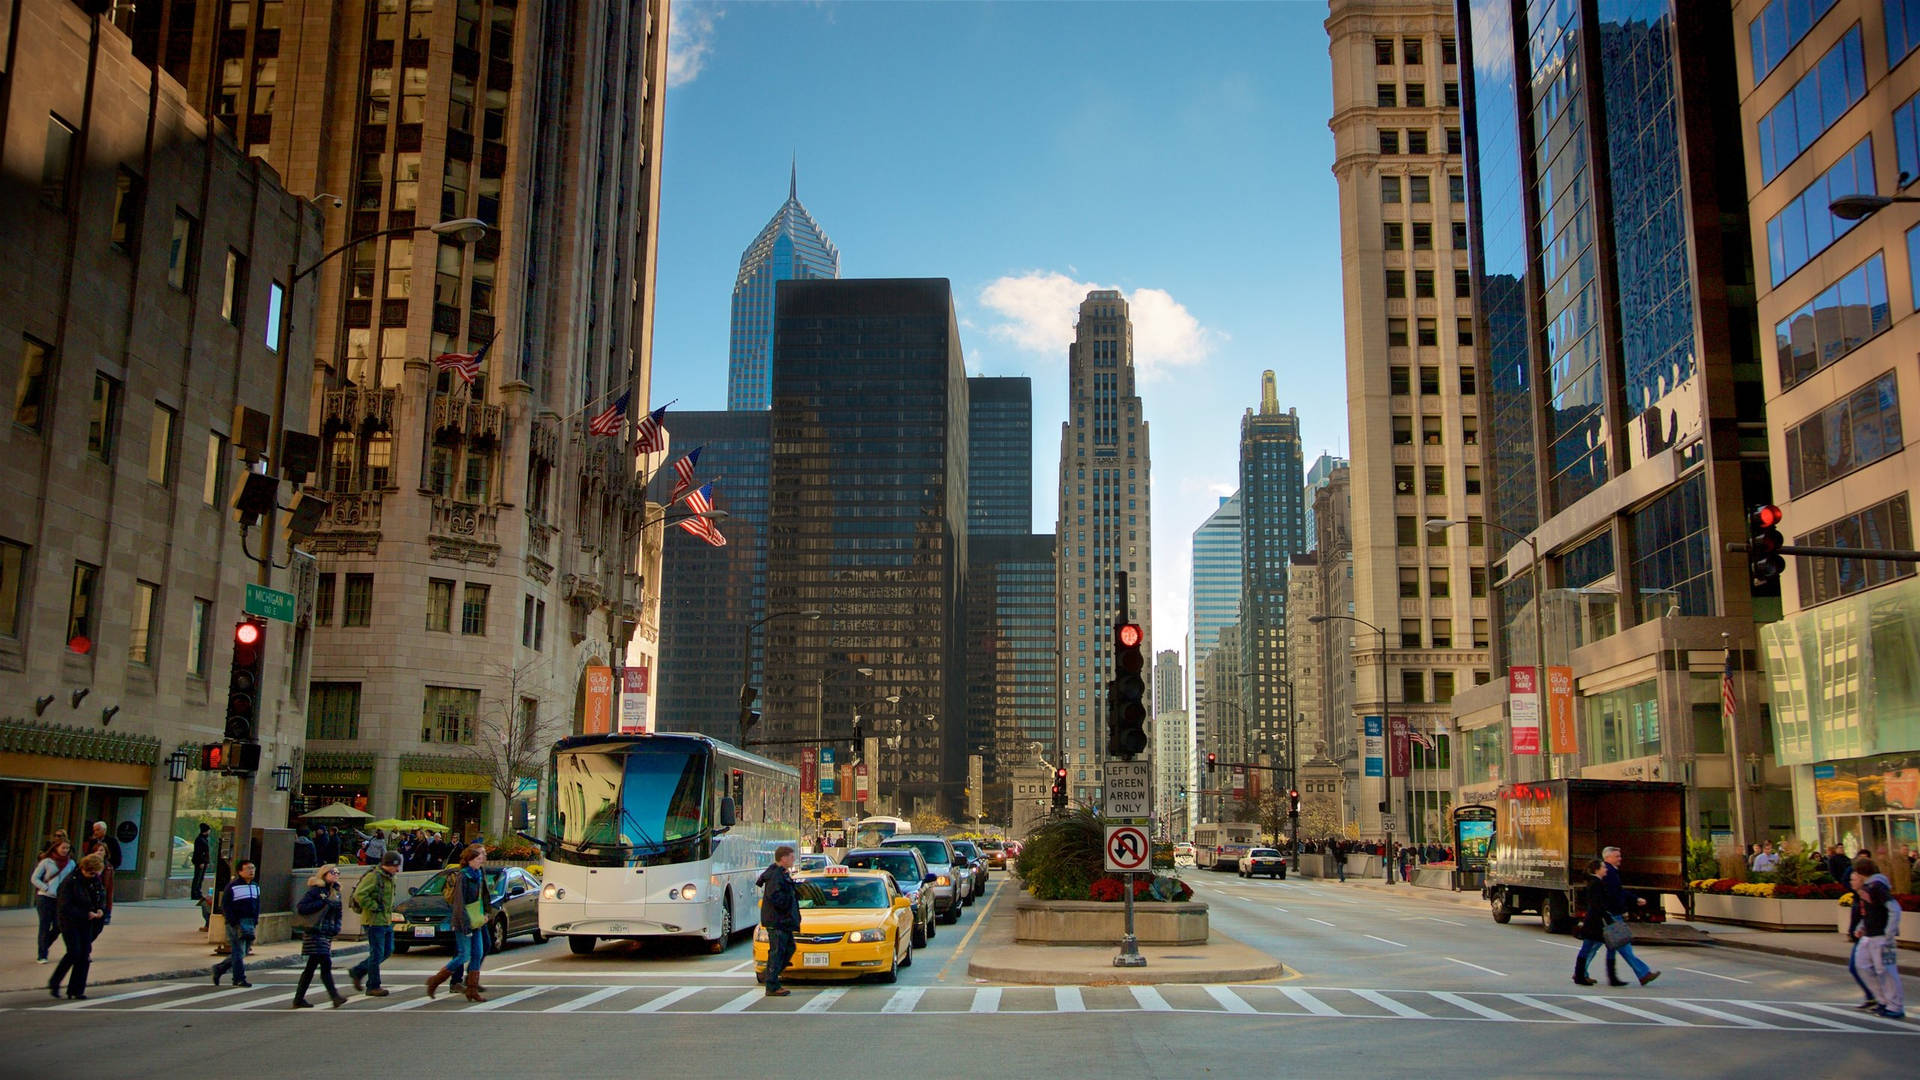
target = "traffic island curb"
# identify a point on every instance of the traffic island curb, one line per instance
(1218, 961)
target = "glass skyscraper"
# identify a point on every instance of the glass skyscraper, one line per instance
(791, 247)
(1272, 531)
(1000, 456)
(1215, 588)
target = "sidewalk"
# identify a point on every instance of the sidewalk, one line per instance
(151, 939)
(1000, 959)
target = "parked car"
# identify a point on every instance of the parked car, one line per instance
(950, 882)
(423, 918)
(1263, 860)
(909, 871)
(978, 861)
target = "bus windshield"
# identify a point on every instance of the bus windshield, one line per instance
(627, 798)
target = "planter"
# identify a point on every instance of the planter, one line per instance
(1909, 925)
(1088, 922)
(1764, 912)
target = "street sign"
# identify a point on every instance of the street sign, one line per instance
(1128, 850)
(268, 603)
(1129, 791)
(1388, 824)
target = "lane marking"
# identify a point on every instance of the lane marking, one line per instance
(518, 995)
(1561, 945)
(1715, 1013)
(1229, 1000)
(398, 1006)
(1821, 1021)
(594, 998)
(669, 998)
(1711, 975)
(1848, 1010)
(1395, 944)
(986, 1000)
(1322, 922)
(215, 996)
(70, 1006)
(740, 1003)
(1471, 1005)
(1068, 999)
(1621, 1006)
(824, 1000)
(1308, 1002)
(739, 967)
(903, 1001)
(1488, 970)
(1548, 1007)
(1149, 999)
(1449, 922)
(1392, 1006)
(979, 920)
(510, 967)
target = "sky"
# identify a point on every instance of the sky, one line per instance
(1030, 152)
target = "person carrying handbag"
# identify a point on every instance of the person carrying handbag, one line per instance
(467, 898)
(1605, 923)
(241, 908)
(322, 901)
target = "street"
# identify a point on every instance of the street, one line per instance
(1424, 976)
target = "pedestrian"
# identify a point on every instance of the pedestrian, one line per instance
(99, 843)
(202, 853)
(1877, 943)
(466, 886)
(376, 847)
(1340, 859)
(82, 908)
(1839, 867)
(1767, 861)
(241, 908)
(1607, 894)
(779, 916)
(55, 864)
(323, 903)
(305, 852)
(373, 899)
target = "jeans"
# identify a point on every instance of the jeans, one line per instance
(79, 958)
(1588, 948)
(379, 947)
(469, 948)
(1853, 969)
(779, 955)
(199, 879)
(238, 945)
(48, 908)
(1878, 957)
(1340, 866)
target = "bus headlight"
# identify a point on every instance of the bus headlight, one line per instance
(552, 891)
(878, 933)
(684, 892)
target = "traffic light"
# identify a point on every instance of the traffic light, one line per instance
(859, 742)
(749, 716)
(1213, 761)
(1293, 801)
(1127, 715)
(1059, 789)
(243, 681)
(1763, 545)
(232, 757)
(213, 756)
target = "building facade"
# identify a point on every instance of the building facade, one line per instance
(867, 523)
(1172, 753)
(1613, 259)
(791, 247)
(1011, 641)
(1272, 531)
(1000, 456)
(1836, 312)
(1214, 602)
(140, 306)
(1105, 527)
(1225, 735)
(1336, 739)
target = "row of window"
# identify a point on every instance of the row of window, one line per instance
(1419, 189)
(84, 611)
(448, 714)
(1423, 284)
(1779, 27)
(1417, 140)
(1431, 434)
(1427, 332)
(1398, 381)
(1432, 480)
(1407, 531)
(1856, 431)
(1806, 226)
(1841, 319)
(1390, 95)
(1822, 96)
(1393, 234)
(1440, 632)
(1412, 51)
(1884, 525)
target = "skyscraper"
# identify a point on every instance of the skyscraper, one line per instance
(1012, 677)
(1272, 531)
(1215, 600)
(1105, 527)
(1000, 456)
(791, 247)
(1317, 476)
(867, 523)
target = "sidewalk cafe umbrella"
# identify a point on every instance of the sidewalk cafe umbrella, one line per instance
(336, 812)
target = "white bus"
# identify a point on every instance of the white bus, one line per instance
(873, 831)
(1219, 846)
(651, 835)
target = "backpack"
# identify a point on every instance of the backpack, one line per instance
(353, 898)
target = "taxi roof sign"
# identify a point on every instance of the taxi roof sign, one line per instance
(834, 869)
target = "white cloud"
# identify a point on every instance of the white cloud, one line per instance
(690, 35)
(1037, 310)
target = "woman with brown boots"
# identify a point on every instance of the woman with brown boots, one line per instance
(467, 896)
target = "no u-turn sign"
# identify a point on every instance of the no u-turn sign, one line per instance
(1128, 850)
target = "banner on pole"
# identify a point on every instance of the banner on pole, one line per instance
(1523, 708)
(1566, 736)
(1400, 746)
(1375, 750)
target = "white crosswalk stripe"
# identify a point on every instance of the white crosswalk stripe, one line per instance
(1270, 1001)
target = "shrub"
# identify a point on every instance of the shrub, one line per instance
(1702, 863)
(1825, 890)
(1062, 856)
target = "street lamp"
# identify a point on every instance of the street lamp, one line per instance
(177, 765)
(1537, 582)
(1386, 782)
(1855, 207)
(746, 656)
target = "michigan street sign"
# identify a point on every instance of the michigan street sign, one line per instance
(268, 603)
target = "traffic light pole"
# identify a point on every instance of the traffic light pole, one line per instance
(1127, 639)
(1817, 551)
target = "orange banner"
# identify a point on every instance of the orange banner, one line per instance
(1566, 737)
(598, 718)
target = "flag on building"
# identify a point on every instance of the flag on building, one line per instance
(608, 420)
(1729, 703)
(1421, 738)
(651, 436)
(700, 502)
(683, 471)
(465, 365)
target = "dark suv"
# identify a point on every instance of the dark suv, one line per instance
(909, 871)
(950, 889)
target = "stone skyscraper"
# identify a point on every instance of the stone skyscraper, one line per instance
(1272, 531)
(791, 247)
(1104, 527)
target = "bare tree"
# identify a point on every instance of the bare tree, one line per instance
(513, 731)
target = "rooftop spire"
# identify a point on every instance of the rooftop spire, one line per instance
(793, 178)
(1269, 401)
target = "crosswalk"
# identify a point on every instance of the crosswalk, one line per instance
(1282, 1000)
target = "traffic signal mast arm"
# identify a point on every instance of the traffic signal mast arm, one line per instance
(1246, 765)
(1816, 551)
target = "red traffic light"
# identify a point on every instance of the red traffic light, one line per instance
(1128, 635)
(1059, 774)
(246, 633)
(1765, 517)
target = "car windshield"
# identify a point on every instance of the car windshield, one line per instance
(828, 892)
(901, 866)
(627, 797)
(814, 862)
(1263, 853)
(934, 851)
(437, 884)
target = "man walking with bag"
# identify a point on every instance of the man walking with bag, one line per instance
(780, 915)
(1609, 897)
(373, 899)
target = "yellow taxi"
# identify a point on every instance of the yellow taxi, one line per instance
(852, 923)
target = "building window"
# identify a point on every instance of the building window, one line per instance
(80, 607)
(439, 605)
(1672, 541)
(1805, 227)
(1838, 321)
(30, 393)
(1410, 583)
(1454, 144)
(1396, 331)
(1423, 284)
(1403, 479)
(1423, 236)
(1410, 633)
(1836, 81)
(212, 487)
(474, 488)
(1463, 335)
(102, 416)
(1449, 52)
(1451, 95)
(1396, 284)
(1477, 581)
(1902, 23)
(1430, 430)
(1389, 142)
(1390, 190)
(1482, 637)
(233, 288)
(473, 610)
(1622, 724)
(1398, 381)
(526, 623)
(323, 599)
(1456, 191)
(1386, 95)
(1413, 684)
(333, 710)
(1470, 430)
(1781, 24)
(1420, 189)
(160, 445)
(1393, 235)
(199, 621)
(1855, 431)
(448, 715)
(359, 602)
(1437, 581)
(1410, 50)
(379, 474)
(1459, 234)
(1473, 480)
(1441, 638)
(128, 193)
(1442, 680)
(146, 599)
(1428, 331)
(1383, 51)
(13, 566)
(1884, 525)
(56, 165)
(180, 251)
(1403, 431)
(1417, 141)
(1416, 96)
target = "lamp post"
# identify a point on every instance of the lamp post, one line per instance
(860, 751)
(820, 702)
(1386, 782)
(1536, 580)
(746, 657)
(1855, 207)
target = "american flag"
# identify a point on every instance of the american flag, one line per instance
(683, 469)
(465, 365)
(700, 501)
(1729, 704)
(1421, 738)
(608, 421)
(651, 436)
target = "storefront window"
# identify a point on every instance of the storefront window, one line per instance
(1622, 724)
(202, 797)
(1483, 754)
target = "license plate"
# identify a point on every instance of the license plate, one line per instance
(813, 959)
(423, 931)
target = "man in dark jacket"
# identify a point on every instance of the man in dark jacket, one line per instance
(1609, 895)
(304, 852)
(780, 915)
(81, 910)
(202, 853)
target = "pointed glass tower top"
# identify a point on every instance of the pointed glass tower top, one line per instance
(791, 246)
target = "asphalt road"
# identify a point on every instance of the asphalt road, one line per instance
(1378, 985)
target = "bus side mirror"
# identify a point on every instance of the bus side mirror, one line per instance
(726, 812)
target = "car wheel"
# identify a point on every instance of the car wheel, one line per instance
(719, 945)
(932, 928)
(891, 975)
(581, 944)
(907, 960)
(1500, 913)
(539, 937)
(497, 935)
(759, 976)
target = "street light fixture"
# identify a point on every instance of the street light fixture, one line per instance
(1536, 581)
(747, 692)
(1855, 207)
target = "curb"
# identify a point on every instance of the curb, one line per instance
(1123, 976)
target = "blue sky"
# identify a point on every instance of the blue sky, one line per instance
(1029, 152)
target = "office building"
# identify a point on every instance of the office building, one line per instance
(1612, 254)
(140, 304)
(1000, 456)
(1172, 755)
(1272, 530)
(1105, 528)
(1012, 679)
(1837, 337)
(1225, 735)
(1317, 476)
(1214, 601)
(867, 523)
(791, 247)
(1167, 684)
